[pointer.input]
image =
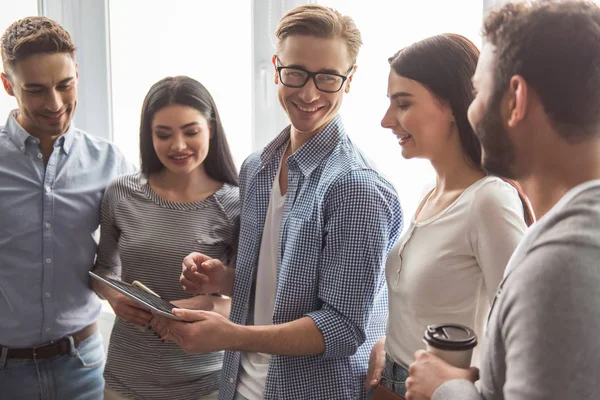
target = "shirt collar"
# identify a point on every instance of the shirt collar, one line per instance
(19, 135)
(15, 132)
(311, 153)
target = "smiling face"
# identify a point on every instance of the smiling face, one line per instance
(45, 87)
(180, 135)
(423, 124)
(308, 108)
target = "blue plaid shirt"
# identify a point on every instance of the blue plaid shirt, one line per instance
(339, 222)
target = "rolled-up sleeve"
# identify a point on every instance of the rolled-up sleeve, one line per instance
(362, 221)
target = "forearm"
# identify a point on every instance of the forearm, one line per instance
(297, 338)
(218, 304)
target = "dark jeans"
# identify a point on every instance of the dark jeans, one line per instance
(394, 376)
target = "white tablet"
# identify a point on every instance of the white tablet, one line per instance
(139, 295)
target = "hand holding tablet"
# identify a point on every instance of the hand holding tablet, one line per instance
(140, 294)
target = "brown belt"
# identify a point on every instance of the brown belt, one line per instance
(52, 349)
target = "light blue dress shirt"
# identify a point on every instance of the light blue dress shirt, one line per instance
(48, 218)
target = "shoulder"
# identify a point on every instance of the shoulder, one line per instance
(251, 163)
(228, 198)
(553, 278)
(94, 142)
(361, 180)
(346, 167)
(563, 249)
(491, 199)
(576, 223)
(495, 203)
(362, 190)
(346, 156)
(123, 186)
(102, 149)
(493, 191)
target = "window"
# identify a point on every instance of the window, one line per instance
(9, 14)
(208, 41)
(386, 27)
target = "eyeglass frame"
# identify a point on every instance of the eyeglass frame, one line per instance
(312, 75)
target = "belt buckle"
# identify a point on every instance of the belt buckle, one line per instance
(34, 349)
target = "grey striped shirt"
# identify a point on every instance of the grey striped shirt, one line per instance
(145, 237)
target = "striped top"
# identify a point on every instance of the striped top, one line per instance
(145, 237)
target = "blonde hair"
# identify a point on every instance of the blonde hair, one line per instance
(322, 22)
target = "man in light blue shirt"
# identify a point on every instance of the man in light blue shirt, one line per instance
(52, 177)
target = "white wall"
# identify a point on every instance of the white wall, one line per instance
(151, 39)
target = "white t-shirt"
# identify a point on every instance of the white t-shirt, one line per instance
(447, 268)
(255, 366)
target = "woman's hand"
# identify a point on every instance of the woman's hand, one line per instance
(201, 274)
(127, 309)
(376, 364)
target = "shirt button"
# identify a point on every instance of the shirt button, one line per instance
(48, 294)
(48, 225)
(246, 306)
(40, 155)
(48, 189)
(47, 329)
(48, 260)
(230, 380)
(22, 148)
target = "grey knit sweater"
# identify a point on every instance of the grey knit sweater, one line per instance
(543, 334)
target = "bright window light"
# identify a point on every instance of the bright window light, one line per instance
(386, 27)
(209, 41)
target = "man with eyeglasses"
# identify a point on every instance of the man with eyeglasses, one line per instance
(317, 222)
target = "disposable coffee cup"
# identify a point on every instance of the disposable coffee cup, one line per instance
(452, 343)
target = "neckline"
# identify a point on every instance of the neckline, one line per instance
(435, 217)
(175, 205)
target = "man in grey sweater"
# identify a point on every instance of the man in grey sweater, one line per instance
(536, 114)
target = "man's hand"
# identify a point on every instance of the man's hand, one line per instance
(376, 364)
(428, 372)
(204, 331)
(201, 274)
(127, 309)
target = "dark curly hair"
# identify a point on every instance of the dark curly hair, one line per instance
(34, 35)
(555, 47)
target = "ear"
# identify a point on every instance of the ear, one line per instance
(7, 85)
(349, 80)
(275, 74)
(517, 100)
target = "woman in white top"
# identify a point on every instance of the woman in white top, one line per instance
(448, 264)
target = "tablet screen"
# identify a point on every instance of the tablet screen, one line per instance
(140, 295)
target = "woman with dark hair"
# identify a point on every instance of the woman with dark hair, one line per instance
(184, 199)
(446, 267)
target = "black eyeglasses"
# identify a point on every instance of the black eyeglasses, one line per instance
(295, 77)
